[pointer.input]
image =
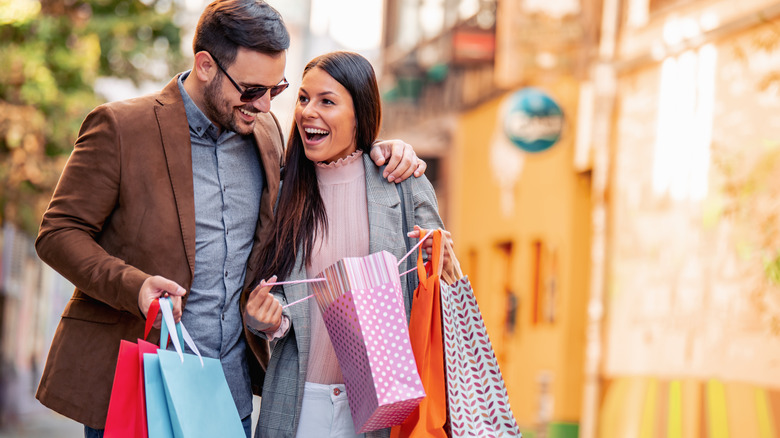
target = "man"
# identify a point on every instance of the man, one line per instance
(171, 194)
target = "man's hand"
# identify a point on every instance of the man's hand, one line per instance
(401, 160)
(155, 287)
(263, 311)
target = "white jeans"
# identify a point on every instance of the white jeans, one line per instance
(325, 412)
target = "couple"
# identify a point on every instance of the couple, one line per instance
(160, 196)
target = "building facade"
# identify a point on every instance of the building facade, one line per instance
(628, 274)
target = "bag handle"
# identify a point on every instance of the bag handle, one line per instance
(165, 336)
(151, 315)
(169, 325)
(454, 273)
(436, 260)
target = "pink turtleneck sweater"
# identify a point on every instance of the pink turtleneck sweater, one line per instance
(343, 190)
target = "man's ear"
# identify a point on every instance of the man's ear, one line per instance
(205, 68)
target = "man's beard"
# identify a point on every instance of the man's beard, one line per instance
(225, 119)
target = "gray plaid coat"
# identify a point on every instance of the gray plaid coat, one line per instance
(286, 373)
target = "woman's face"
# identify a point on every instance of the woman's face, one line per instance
(325, 116)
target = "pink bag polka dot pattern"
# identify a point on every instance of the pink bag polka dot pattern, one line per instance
(370, 334)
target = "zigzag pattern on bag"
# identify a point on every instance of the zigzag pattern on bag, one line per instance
(478, 401)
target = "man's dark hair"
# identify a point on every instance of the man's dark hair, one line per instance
(226, 25)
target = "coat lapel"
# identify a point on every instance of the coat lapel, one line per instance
(384, 211)
(175, 135)
(268, 138)
(299, 313)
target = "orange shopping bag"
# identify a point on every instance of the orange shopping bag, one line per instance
(425, 329)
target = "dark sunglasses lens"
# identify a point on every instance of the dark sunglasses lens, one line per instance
(278, 89)
(253, 94)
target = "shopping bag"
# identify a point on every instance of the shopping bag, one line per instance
(362, 306)
(197, 395)
(126, 416)
(158, 420)
(429, 419)
(476, 393)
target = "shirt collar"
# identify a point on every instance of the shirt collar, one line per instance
(200, 125)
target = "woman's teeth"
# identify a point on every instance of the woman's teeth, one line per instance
(314, 133)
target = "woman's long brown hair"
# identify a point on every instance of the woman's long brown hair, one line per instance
(300, 216)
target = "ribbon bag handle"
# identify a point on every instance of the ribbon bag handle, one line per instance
(151, 315)
(454, 273)
(436, 261)
(170, 326)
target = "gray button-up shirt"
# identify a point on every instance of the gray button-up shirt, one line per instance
(228, 180)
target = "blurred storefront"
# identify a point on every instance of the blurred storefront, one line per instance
(628, 273)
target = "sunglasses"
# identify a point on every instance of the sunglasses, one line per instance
(253, 93)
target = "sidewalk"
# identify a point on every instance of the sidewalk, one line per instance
(43, 423)
(40, 422)
(25, 417)
(28, 418)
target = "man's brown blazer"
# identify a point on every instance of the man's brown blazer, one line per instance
(123, 210)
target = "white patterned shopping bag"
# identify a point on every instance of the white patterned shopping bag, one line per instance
(476, 393)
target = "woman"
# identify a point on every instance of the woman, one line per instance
(333, 204)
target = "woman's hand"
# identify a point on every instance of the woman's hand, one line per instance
(450, 267)
(263, 311)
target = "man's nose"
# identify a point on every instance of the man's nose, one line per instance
(263, 104)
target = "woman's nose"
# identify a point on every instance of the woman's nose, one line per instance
(308, 111)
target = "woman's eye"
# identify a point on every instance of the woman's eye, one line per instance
(303, 99)
(327, 101)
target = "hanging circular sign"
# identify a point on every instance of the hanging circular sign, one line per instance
(533, 121)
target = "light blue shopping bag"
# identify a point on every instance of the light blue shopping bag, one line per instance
(196, 394)
(158, 421)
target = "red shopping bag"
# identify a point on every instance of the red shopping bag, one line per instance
(425, 328)
(127, 407)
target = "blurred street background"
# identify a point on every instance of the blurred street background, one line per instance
(609, 170)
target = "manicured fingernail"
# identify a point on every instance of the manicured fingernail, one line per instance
(391, 178)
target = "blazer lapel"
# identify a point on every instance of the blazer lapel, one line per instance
(175, 135)
(299, 313)
(268, 138)
(384, 212)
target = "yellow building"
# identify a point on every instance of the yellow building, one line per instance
(521, 220)
(522, 227)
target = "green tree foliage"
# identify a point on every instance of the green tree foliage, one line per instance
(53, 51)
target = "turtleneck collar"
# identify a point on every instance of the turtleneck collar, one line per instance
(342, 170)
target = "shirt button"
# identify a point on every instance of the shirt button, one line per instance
(336, 391)
(225, 273)
(227, 232)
